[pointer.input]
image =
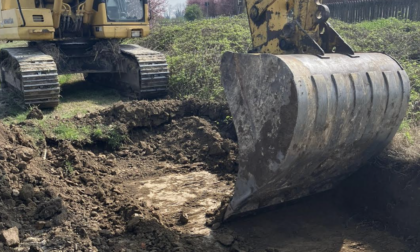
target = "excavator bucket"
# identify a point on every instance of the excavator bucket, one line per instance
(305, 122)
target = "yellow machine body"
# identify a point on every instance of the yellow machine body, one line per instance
(29, 22)
(78, 36)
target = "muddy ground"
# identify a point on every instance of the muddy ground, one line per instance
(160, 191)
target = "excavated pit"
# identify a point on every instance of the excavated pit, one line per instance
(160, 191)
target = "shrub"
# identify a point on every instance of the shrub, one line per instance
(398, 38)
(193, 12)
(113, 137)
(66, 132)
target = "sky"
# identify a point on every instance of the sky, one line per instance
(173, 2)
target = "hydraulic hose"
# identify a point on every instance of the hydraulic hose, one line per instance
(21, 14)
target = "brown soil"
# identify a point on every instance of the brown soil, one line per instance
(387, 189)
(160, 191)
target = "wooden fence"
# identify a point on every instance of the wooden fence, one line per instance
(361, 10)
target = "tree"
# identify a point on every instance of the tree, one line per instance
(219, 7)
(179, 11)
(209, 9)
(157, 9)
(193, 12)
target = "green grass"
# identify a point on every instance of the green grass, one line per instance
(78, 101)
(98, 133)
(67, 132)
(70, 78)
(17, 116)
(116, 138)
(398, 38)
(68, 167)
(36, 133)
(13, 44)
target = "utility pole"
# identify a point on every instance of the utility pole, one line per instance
(207, 6)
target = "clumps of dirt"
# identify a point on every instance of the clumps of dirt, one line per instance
(26, 203)
(4, 134)
(156, 113)
(165, 189)
(77, 196)
(35, 113)
(189, 140)
(386, 189)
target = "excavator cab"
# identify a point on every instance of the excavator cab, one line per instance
(307, 109)
(112, 10)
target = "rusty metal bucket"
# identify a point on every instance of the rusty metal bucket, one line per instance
(304, 123)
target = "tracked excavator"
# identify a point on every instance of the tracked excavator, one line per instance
(78, 36)
(307, 109)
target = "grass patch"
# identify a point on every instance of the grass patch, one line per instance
(98, 133)
(13, 44)
(398, 38)
(70, 78)
(69, 168)
(116, 138)
(36, 133)
(17, 116)
(111, 136)
(67, 132)
(79, 98)
(405, 143)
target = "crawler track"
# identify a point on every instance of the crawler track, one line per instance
(32, 74)
(154, 73)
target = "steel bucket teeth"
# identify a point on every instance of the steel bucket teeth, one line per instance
(304, 122)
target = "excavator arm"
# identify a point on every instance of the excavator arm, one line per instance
(308, 111)
(293, 26)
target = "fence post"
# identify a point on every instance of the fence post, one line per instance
(417, 11)
(376, 8)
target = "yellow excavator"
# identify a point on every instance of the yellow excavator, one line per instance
(76, 36)
(307, 109)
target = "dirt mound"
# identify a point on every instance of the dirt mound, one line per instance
(25, 199)
(3, 134)
(189, 140)
(35, 113)
(77, 196)
(161, 190)
(145, 114)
